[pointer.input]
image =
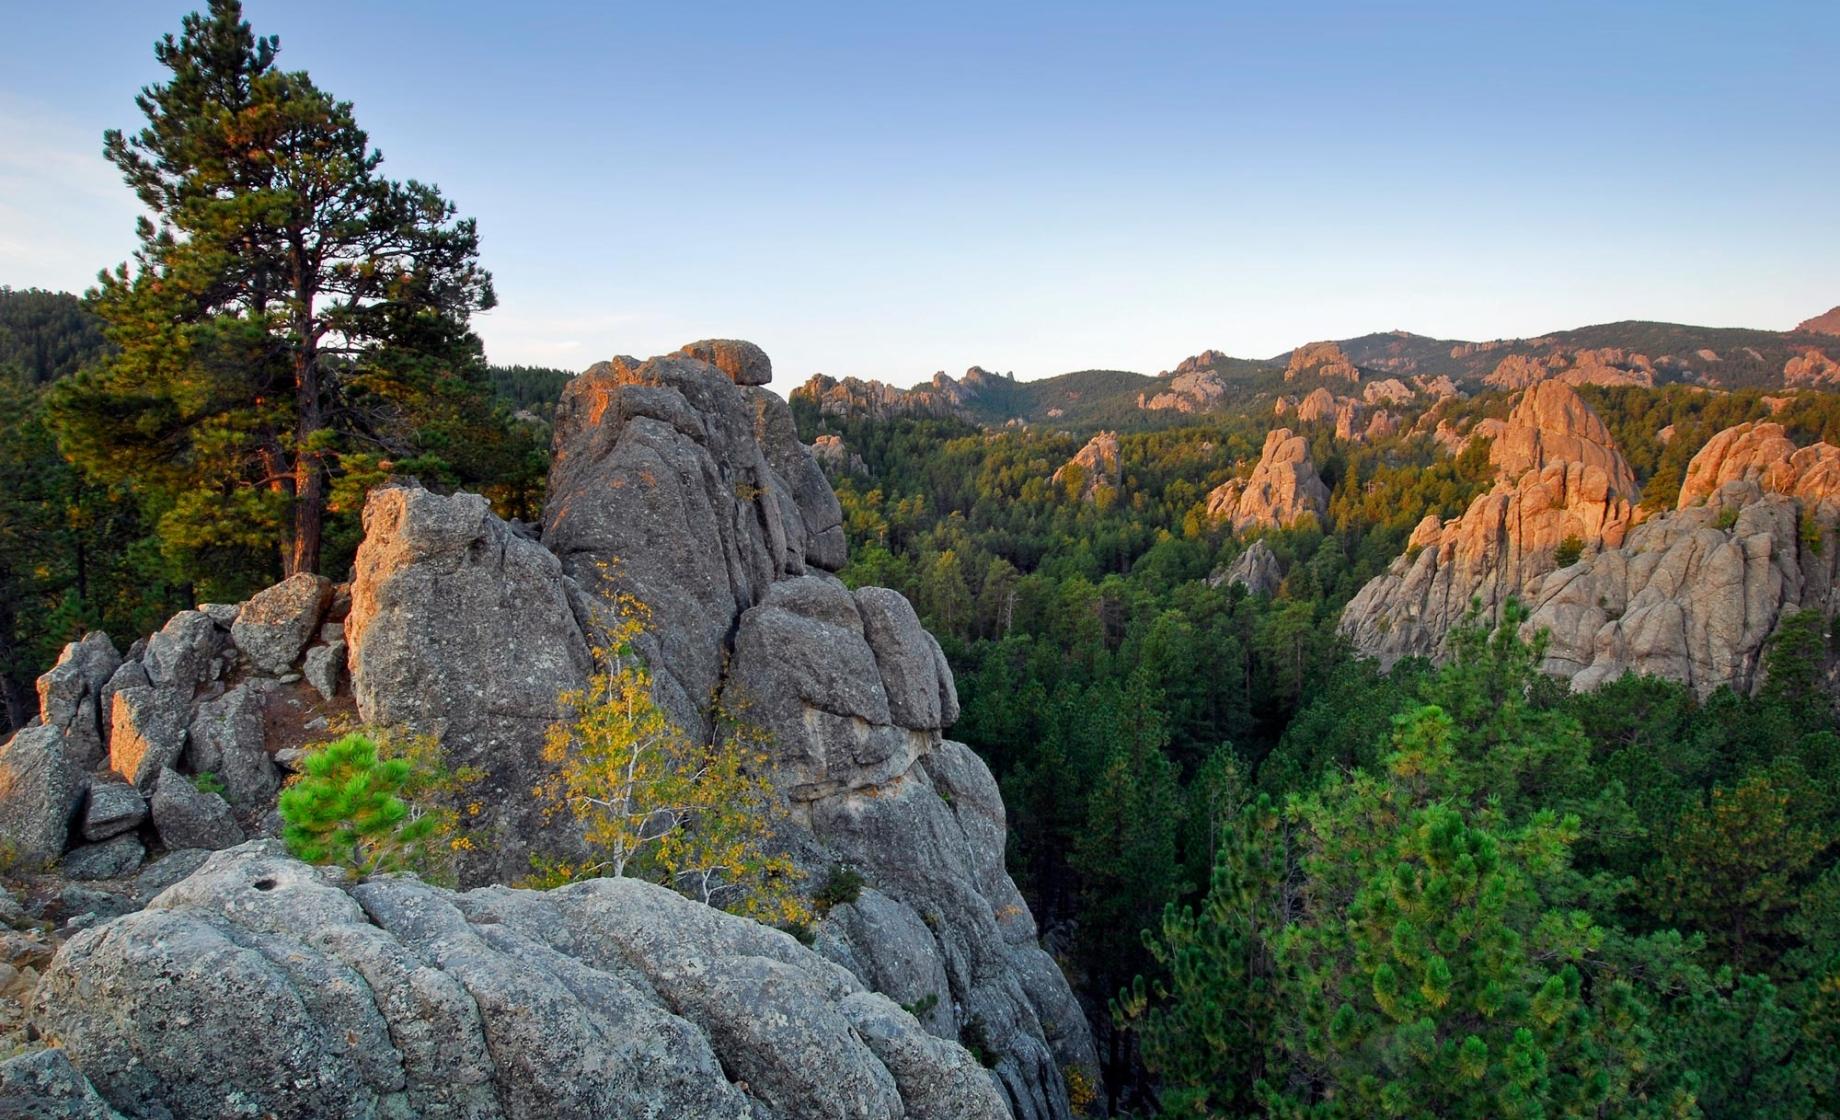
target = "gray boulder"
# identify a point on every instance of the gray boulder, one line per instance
(275, 625)
(70, 695)
(147, 731)
(179, 656)
(227, 739)
(187, 817)
(461, 629)
(42, 1085)
(605, 998)
(112, 809)
(1257, 570)
(324, 668)
(111, 859)
(907, 657)
(40, 792)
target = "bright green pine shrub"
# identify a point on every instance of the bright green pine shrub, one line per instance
(355, 807)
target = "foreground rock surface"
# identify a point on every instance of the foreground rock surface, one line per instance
(262, 986)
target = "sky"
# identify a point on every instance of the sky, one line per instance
(885, 190)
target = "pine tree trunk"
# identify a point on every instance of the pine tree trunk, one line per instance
(309, 472)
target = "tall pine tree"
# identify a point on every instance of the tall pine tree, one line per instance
(292, 318)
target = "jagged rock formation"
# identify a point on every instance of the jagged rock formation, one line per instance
(681, 483)
(1257, 570)
(1561, 480)
(261, 986)
(1603, 366)
(1324, 359)
(1812, 368)
(858, 399)
(1283, 489)
(1097, 464)
(1552, 424)
(677, 487)
(831, 451)
(1187, 389)
(1828, 323)
(1695, 595)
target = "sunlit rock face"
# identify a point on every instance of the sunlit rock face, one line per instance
(676, 485)
(1283, 489)
(1696, 594)
(1561, 479)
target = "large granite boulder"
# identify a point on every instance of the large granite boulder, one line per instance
(1257, 570)
(464, 630)
(227, 738)
(188, 817)
(70, 696)
(275, 626)
(41, 790)
(393, 998)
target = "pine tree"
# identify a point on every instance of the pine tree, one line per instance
(292, 317)
(357, 807)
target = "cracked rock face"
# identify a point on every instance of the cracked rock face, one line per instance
(692, 494)
(463, 630)
(393, 998)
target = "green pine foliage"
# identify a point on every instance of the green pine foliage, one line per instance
(354, 807)
(292, 330)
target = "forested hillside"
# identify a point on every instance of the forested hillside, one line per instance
(1661, 879)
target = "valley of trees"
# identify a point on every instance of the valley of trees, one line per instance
(1456, 890)
(1284, 882)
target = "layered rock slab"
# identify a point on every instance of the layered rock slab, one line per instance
(394, 998)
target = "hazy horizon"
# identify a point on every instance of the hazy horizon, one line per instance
(1038, 189)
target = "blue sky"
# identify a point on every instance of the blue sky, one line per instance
(890, 189)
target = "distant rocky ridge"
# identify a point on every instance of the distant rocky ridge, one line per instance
(943, 396)
(1625, 353)
(1826, 323)
(679, 481)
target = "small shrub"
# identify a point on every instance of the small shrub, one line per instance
(1082, 1094)
(209, 782)
(922, 1005)
(1568, 552)
(1726, 519)
(975, 1037)
(352, 805)
(842, 886)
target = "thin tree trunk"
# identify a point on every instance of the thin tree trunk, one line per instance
(309, 471)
